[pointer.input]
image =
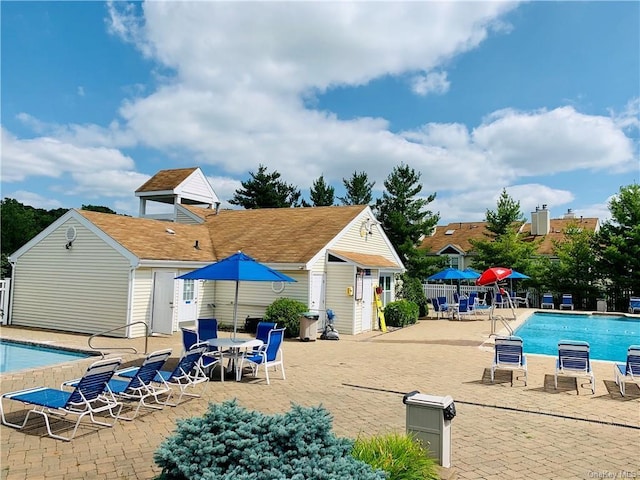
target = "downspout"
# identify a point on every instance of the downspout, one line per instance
(12, 287)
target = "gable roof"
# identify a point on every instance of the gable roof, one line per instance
(278, 235)
(365, 260)
(151, 239)
(460, 233)
(270, 235)
(166, 179)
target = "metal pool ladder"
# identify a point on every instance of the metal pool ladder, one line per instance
(128, 349)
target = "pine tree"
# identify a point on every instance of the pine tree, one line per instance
(401, 213)
(358, 189)
(321, 194)
(266, 190)
(507, 213)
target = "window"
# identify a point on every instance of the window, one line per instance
(188, 290)
(385, 283)
(454, 261)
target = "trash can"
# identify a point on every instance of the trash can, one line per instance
(429, 420)
(309, 326)
(601, 305)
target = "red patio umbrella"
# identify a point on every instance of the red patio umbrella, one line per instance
(493, 275)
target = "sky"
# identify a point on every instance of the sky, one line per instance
(539, 98)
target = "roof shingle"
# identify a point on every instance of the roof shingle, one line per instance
(166, 179)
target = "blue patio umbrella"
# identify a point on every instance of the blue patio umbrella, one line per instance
(516, 276)
(237, 268)
(472, 273)
(449, 273)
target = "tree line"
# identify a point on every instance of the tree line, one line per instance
(586, 264)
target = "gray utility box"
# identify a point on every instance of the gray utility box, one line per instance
(601, 305)
(429, 420)
(309, 326)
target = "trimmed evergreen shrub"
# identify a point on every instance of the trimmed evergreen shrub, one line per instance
(286, 313)
(401, 313)
(413, 291)
(400, 455)
(230, 442)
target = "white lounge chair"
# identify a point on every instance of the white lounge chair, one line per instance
(629, 371)
(573, 360)
(509, 355)
(86, 399)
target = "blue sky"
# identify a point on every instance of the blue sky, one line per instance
(540, 98)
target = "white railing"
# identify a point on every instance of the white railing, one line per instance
(5, 288)
(432, 290)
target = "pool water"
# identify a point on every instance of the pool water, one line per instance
(608, 336)
(16, 356)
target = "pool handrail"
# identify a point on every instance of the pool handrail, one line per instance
(133, 349)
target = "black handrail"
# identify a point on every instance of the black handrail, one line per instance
(146, 338)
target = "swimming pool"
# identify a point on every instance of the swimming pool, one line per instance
(608, 336)
(16, 356)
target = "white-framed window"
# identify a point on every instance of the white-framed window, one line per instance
(188, 290)
(385, 283)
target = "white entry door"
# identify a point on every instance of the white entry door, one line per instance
(317, 296)
(162, 307)
(188, 300)
(367, 302)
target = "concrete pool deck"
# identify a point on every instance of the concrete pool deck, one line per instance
(499, 432)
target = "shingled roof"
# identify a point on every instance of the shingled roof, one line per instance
(278, 235)
(270, 235)
(166, 179)
(459, 234)
(152, 240)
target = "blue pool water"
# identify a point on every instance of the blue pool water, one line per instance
(18, 356)
(608, 336)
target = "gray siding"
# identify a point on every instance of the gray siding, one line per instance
(182, 217)
(81, 289)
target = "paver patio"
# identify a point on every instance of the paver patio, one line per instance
(499, 431)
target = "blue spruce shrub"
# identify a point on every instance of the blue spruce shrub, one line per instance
(230, 442)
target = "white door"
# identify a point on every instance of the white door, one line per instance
(162, 305)
(367, 302)
(317, 297)
(188, 300)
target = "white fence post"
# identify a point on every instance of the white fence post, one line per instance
(5, 287)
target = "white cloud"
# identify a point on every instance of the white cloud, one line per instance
(559, 140)
(50, 157)
(237, 78)
(80, 91)
(432, 82)
(107, 183)
(34, 200)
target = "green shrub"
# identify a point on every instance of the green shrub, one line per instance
(230, 442)
(401, 313)
(413, 291)
(286, 313)
(401, 456)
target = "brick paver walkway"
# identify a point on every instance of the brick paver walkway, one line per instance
(499, 432)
